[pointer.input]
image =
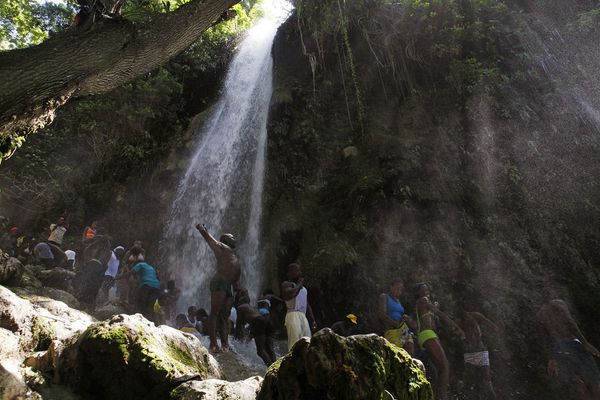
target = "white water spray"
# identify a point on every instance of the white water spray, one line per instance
(222, 187)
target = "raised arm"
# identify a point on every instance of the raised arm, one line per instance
(212, 242)
(481, 319)
(289, 290)
(446, 319)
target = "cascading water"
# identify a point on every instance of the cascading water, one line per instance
(222, 187)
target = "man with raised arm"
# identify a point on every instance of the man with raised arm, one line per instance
(295, 296)
(221, 286)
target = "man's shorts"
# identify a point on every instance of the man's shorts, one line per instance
(261, 326)
(574, 361)
(218, 284)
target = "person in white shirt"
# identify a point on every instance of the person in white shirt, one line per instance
(112, 268)
(296, 300)
(57, 231)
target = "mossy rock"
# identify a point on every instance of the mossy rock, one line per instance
(329, 366)
(128, 357)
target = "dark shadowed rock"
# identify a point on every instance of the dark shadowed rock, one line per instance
(109, 309)
(10, 270)
(216, 389)
(58, 278)
(128, 357)
(332, 367)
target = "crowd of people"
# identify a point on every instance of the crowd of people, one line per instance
(104, 273)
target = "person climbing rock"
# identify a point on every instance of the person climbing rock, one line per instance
(571, 357)
(476, 357)
(221, 286)
(112, 269)
(346, 327)
(428, 340)
(296, 300)
(148, 283)
(57, 232)
(394, 319)
(261, 328)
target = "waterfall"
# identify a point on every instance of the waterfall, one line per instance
(223, 184)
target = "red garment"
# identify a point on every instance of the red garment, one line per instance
(89, 233)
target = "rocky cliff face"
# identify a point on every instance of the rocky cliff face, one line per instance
(447, 142)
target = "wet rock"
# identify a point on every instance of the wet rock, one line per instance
(128, 357)
(58, 278)
(41, 294)
(329, 366)
(108, 310)
(10, 270)
(216, 389)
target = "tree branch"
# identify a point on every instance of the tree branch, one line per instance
(35, 81)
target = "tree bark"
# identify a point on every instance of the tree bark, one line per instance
(35, 81)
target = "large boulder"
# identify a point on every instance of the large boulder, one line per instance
(216, 389)
(41, 294)
(128, 357)
(329, 366)
(58, 278)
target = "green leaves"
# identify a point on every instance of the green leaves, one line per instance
(24, 22)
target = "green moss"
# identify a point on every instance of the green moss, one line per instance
(43, 331)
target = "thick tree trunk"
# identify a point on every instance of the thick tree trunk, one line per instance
(37, 80)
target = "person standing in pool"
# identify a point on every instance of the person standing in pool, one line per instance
(221, 286)
(428, 339)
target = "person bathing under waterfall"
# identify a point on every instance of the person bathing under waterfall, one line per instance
(261, 327)
(221, 286)
(476, 356)
(429, 341)
(572, 356)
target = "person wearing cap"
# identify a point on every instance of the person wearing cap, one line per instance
(71, 255)
(221, 286)
(346, 327)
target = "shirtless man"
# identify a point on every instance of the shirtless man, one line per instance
(261, 328)
(295, 296)
(572, 356)
(221, 286)
(476, 356)
(428, 339)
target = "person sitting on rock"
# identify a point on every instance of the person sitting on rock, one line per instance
(43, 254)
(394, 319)
(428, 340)
(261, 328)
(572, 356)
(476, 356)
(296, 300)
(202, 321)
(221, 286)
(346, 327)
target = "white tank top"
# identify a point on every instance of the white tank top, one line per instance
(298, 303)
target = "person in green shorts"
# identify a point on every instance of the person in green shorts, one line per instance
(221, 287)
(429, 341)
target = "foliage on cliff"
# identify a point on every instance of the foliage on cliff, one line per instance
(440, 141)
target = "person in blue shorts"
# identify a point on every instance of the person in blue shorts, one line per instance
(571, 356)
